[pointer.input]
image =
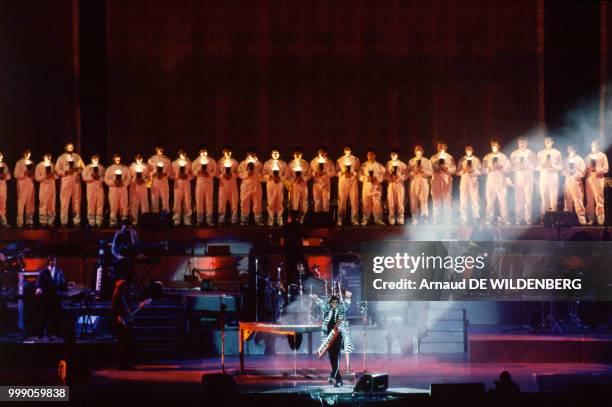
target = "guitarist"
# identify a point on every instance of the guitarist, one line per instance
(120, 314)
(335, 313)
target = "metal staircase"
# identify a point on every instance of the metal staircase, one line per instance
(446, 330)
(156, 329)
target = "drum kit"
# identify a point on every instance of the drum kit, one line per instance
(295, 302)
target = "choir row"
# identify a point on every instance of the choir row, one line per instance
(128, 186)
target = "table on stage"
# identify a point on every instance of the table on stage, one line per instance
(247, 329)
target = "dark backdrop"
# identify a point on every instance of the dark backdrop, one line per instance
(391, 73)
(277, 72)
(37, 77)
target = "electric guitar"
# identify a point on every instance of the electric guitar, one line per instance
(127, 321)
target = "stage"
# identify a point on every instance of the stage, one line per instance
(409, 375)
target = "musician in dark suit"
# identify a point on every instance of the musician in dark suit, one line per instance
(120, 314)
(335, 312)
(123, 250)
(49, 285)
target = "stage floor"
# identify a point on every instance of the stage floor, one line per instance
(274, 373)
(269, 381)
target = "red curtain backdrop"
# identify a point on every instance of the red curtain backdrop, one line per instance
(392, 73)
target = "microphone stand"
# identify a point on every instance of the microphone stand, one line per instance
(256, 289)
(222, 307)
(364, 318)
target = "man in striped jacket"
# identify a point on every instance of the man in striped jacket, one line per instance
(333, 312)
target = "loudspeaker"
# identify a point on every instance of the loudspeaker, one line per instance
(369, 383)
(215, 384)
(560, 219)
(458, 391)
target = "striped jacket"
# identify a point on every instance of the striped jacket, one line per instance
(347, 343)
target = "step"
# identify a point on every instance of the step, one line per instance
(443, 336)
(445, 314)
(148, 343)
(155, 330)
(442, 325)
(157, 350)
(166, 310)
(442, 347)
(156, 354)
(155, 321)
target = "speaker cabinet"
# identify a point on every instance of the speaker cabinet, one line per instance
(372, 383)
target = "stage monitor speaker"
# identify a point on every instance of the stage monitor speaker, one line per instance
(372, 383)
(218, 250)
(559, 219)
(457, 391)
(218, 384)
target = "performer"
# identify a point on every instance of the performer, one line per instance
(5, 175)
(573, 191)
(45, 174)
(442, 184)
(93, 175)
(420, 171)
(275, 172)
(160, 168)
(117, 177)
(120, 314)
(204, 169)
(298, 173)
(227, 170)
(24, 174)
(333, 312)
(49, 284)
(69, 167)
(182, 174)
(372, 176)
(469, 169)
(549, 165)
(397, 172)
(347, 169)
(323, 170)
(523, 163)
(250, 172)
(139, 194)
(123, 250)
(597, 168)
(496, 165)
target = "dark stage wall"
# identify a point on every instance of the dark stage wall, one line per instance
(37, 77)
(274, 72)
(385, 74)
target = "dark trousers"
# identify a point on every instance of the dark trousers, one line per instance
(125, 340)
(334, 358)
(50, 312)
